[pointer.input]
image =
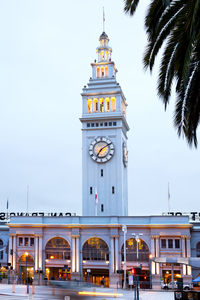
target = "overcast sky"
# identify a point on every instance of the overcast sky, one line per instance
(45, 54)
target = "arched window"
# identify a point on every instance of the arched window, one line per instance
(107, 104)
(131, 250)
(106, 68)
(57, 248)
(95, 105)
(113, 104)
(198, 249)
(26, 260)
(98, 72)
(95, 249)
(101, 105)
(102, 71)
(89, 106)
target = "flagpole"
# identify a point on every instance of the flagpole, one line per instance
(103, 20)
(27, 198)
(168, 199)
(7, 208)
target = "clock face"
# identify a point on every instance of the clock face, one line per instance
(101, 150)
(125, 154)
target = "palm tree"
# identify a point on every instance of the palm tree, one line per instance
(176, 23)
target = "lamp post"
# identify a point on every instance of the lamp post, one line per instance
(124, 229)
(27, 282)
(137, 238)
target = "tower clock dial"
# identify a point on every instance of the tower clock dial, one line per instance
(101, 150)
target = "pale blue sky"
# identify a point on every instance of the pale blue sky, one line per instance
(46, 50)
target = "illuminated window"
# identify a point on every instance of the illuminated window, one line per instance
(131, 252)
(95, 249)
(106, 71)
(106, 55)
(57, 248)
(102, 54)
(98, 72)
(113, 104)
(102, 72)
(89, 106)
(107, 104)
(95, 105)
(101, 105)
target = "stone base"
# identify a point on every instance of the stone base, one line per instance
(115, 280)
(75, 276)
(156, 283)
(187, 278)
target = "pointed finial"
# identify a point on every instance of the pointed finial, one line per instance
(103, 20)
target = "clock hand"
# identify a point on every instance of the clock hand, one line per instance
(103, 148)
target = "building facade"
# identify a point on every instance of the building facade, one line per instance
(68, 247)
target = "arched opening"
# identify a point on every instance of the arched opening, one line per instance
(131, 251)
(96, 250)
(95, 105)
(106, 68)
(89, 106)
(58, 259)
(101, 105)
(98, 72)
(102, 72)
(198, 249)
(26, 268)
(113, 104)
(107, 104)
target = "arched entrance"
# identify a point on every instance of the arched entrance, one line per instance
(58, 259)
(26, 268)
(95, 254)
(137, 255)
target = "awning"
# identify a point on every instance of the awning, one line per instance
(190, 261)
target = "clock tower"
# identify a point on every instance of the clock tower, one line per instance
(104, 139)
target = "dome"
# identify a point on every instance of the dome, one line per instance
(103, 36)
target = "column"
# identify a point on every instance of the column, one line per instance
(40, 253)
(111, 258)
(188, 246)
(14, 252)
(73, 260)
(36, 253)
(116, 253)
(10, 247)
(189, 271)
(157, 247)
(183, 246)
(77, 254)
(152, 246)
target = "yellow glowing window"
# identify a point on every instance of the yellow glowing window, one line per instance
(113, 104)
(101, 105)
(102, 72)
(102, 55)
(98, 72)
(106, 70)
(106, 55)
(95, 105)
(89, 106)
(107, 104)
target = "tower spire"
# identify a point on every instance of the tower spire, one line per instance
(103, 20)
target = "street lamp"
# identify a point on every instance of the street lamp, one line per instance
(137, 238)
(124, 229)
(27, 283)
